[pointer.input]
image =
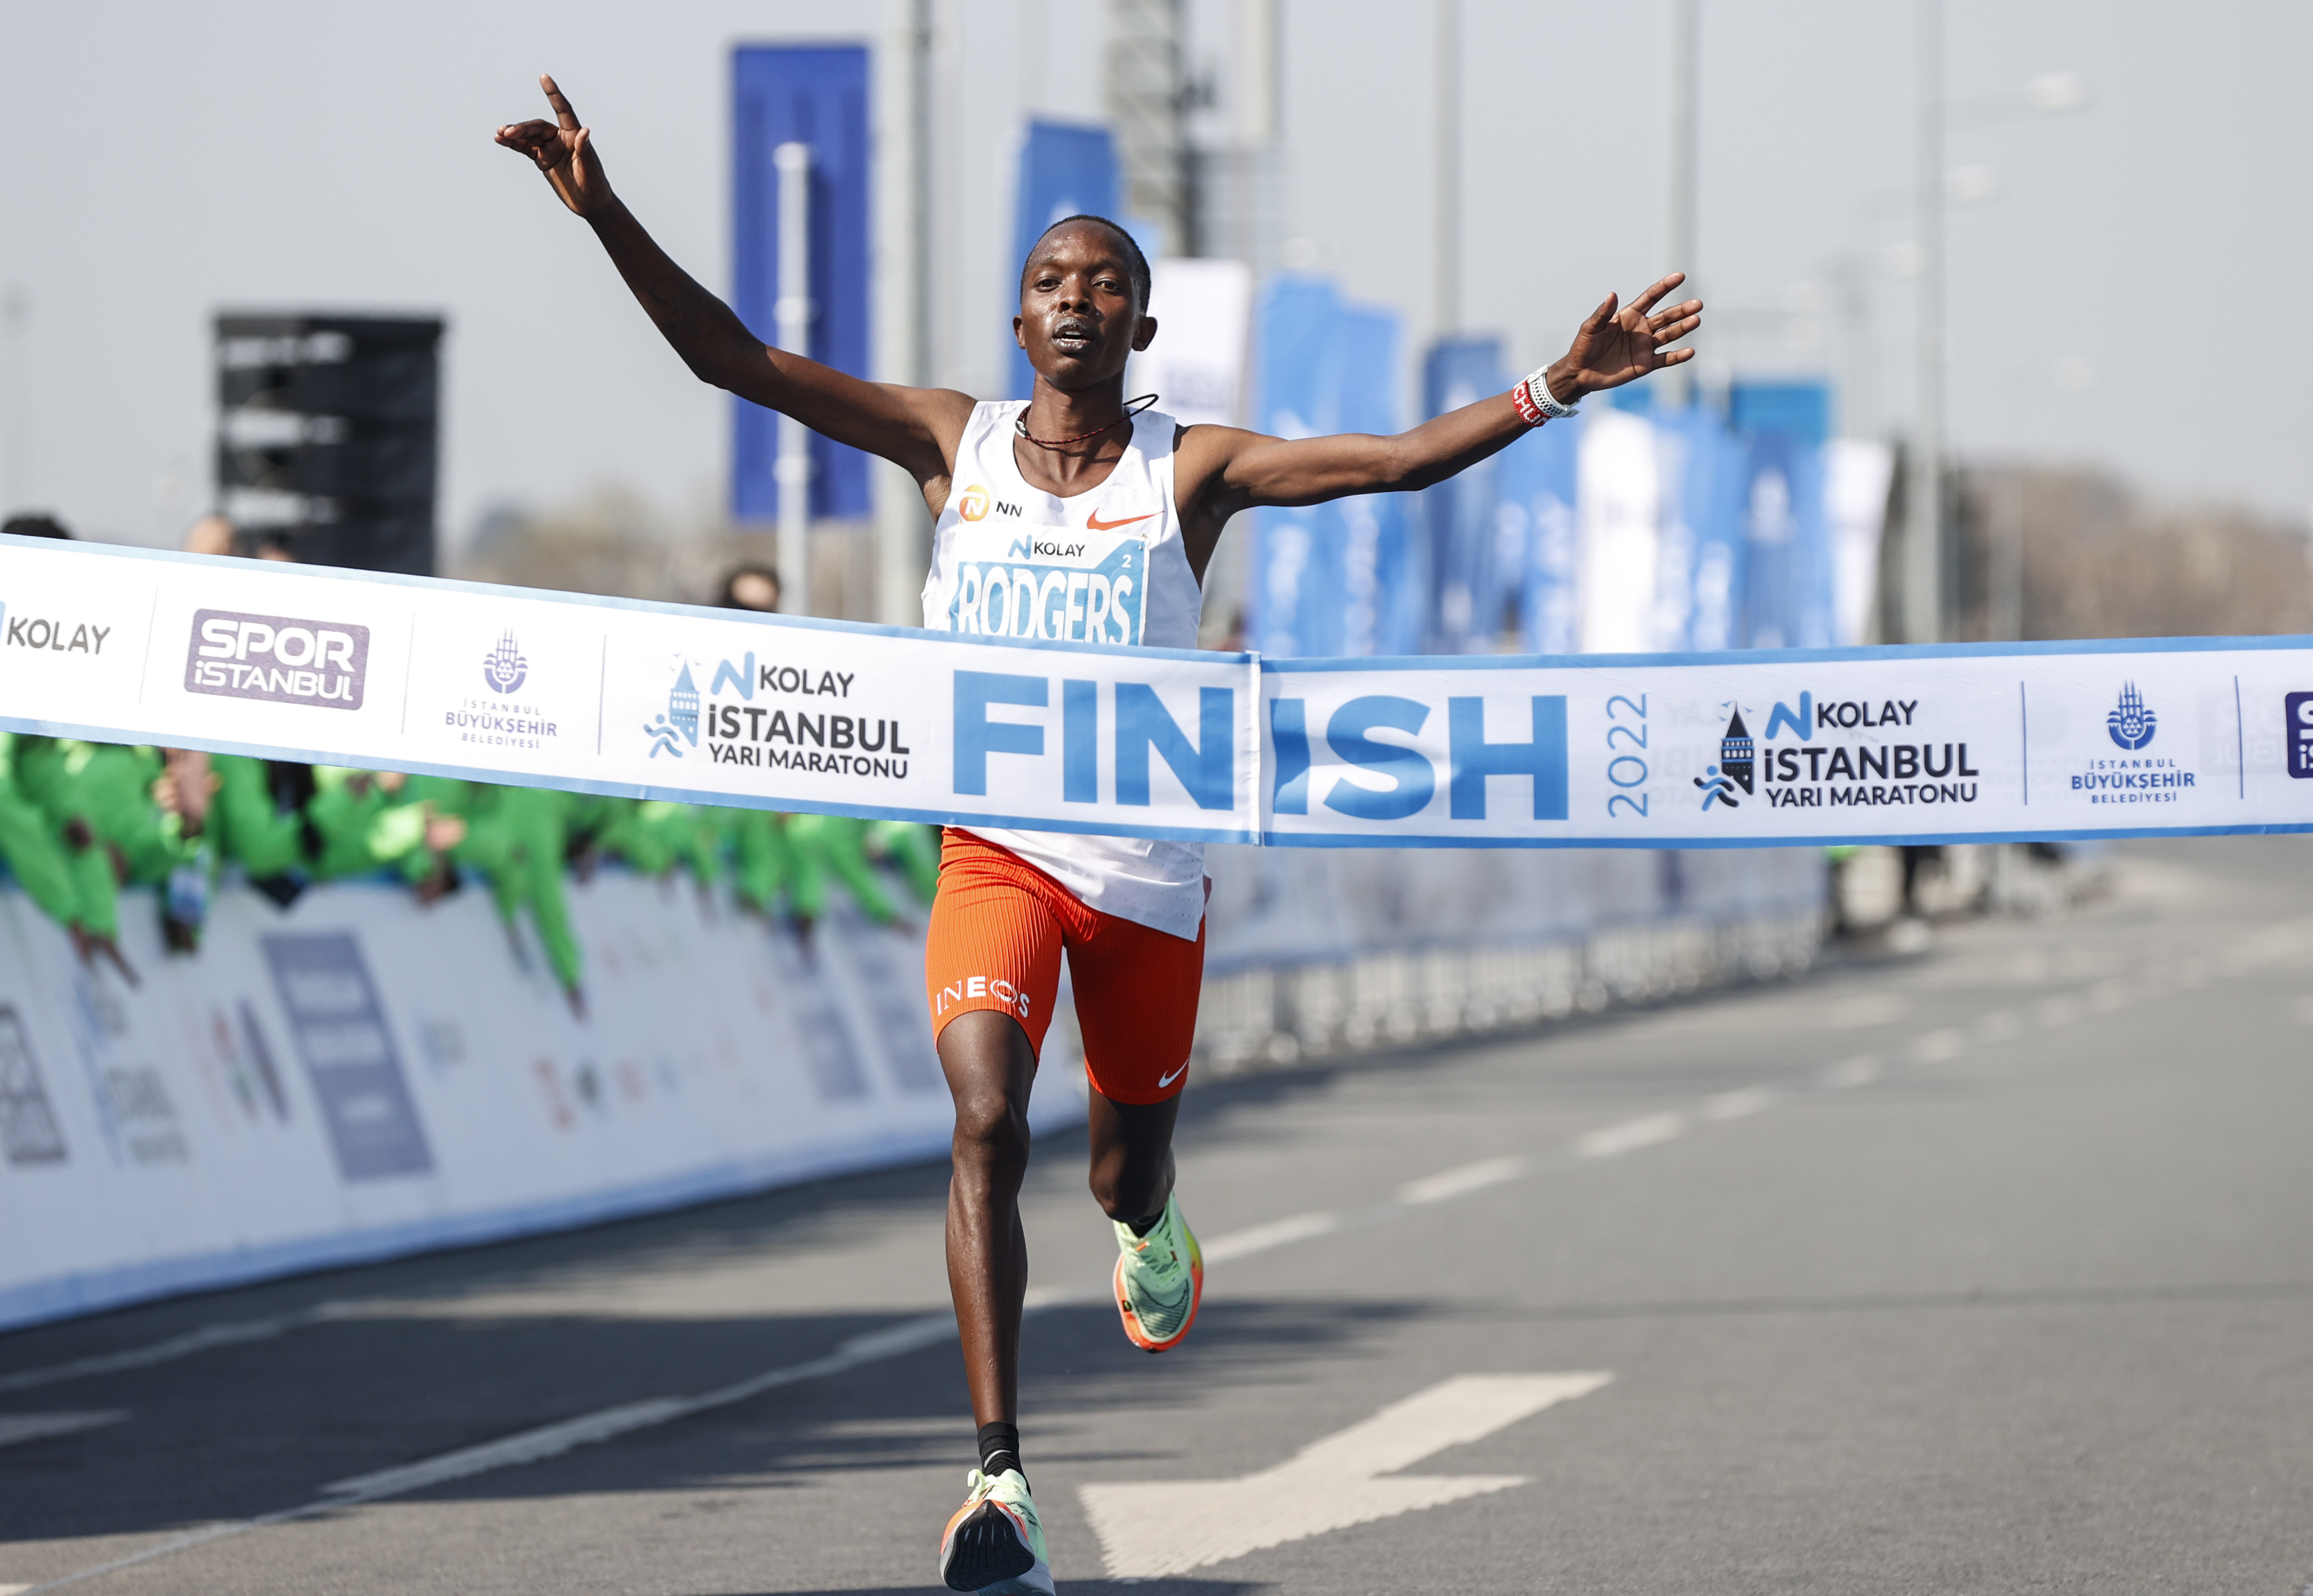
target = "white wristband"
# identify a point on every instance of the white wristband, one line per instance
(1537, 388)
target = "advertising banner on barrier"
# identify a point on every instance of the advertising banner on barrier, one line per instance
(1008, 722)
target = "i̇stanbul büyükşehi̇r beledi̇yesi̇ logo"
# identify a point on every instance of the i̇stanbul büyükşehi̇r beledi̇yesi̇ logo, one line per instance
(2132, 723)
(503, 668)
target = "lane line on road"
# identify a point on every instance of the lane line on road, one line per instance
(234, 1333)
(1449, 1184)
(18, 1427)
(1615, 1140)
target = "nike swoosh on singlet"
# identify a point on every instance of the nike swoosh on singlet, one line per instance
(1093, 520)
(1164, 1080)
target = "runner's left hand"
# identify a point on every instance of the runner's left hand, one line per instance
(1618, 345)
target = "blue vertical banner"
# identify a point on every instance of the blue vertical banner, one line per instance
(1384, 583)
(1533, 524)
(814, 95)
(1293, 599)
(1704, 476)
(1066, 169)
(1467, 591)
(1786, 544)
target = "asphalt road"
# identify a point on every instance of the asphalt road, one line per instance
(1986, 1269)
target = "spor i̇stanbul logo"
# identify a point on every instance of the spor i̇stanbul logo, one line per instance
(2132, 723)
(503, 668)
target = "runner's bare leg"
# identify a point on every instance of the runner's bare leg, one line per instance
(1132, 1157)
(990, 1068)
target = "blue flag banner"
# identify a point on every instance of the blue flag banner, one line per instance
(1467, 590)
(1982, 742)
(814, 95)
(1786, 548)
(1788, 543)
(1535, 517)
(1704, 479)
(1294, 600)
(1066, 169)
(1383, 584)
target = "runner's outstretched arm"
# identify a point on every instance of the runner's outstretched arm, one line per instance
(916, 428)
(1232, 469)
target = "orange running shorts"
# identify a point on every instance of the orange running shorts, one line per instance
(998, 925)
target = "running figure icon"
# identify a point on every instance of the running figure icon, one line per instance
(1718, 789)
(1119, 502)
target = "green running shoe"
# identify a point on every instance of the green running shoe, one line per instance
(994, 1545)
(1160, 1279)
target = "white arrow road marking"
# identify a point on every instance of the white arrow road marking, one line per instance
(1171, 1526)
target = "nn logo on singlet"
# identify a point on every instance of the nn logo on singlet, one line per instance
(975, 503)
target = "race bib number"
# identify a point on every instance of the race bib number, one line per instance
(1067, 585)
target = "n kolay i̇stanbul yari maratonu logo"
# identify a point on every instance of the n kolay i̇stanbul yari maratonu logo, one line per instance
(800, 730)
(1864, 774)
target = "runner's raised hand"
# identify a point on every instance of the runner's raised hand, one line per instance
(1619, 345)
(564, 152)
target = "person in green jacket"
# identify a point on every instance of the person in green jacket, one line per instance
(834, 848)
(915, 849)
(517, 838)
(99, 796)
(762, 860)
(371, 821)
(34, 851)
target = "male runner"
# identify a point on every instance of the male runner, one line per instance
(1146, 500)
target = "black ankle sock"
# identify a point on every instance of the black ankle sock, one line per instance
(1141, 1227)
(1000, 1449)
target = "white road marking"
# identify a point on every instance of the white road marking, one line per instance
(231, 1334)
(1151, 1528)
(16, 1428)
(1938, 1045)
(1740, 1103)
(1631, 1136)
(1449, 1184)
(1999, 1026)
(1860, 1071)
(1276, 1232)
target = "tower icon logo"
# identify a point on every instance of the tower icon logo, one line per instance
(1735, 751)
(679, 723)
(2132, 723)
(503, 668)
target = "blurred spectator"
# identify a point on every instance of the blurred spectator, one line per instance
(277, 545)
(750, 587)
(35, 525)
(211, 534)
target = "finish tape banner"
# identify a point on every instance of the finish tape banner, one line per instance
(1975, 742)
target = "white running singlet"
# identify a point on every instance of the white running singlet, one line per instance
(1104, 566)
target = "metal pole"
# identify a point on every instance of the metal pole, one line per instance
(919, 186)
(1925, 491)
(1684, 90)
(1446, 223)
(792, 313)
